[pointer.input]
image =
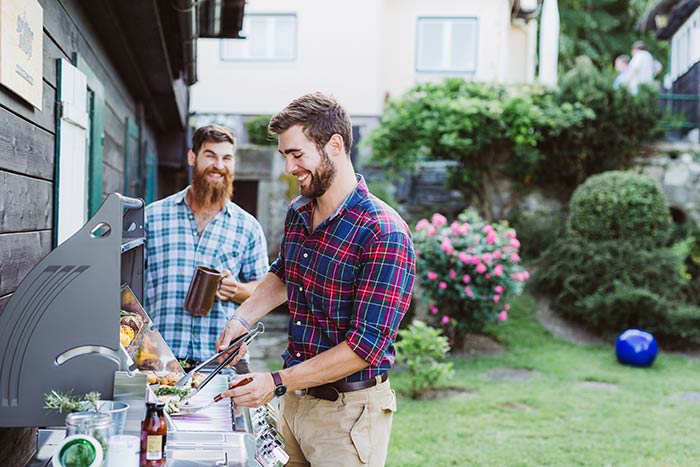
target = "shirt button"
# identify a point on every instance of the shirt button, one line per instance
(301, 289)
(298, 354)
(306, 255)
(298, 323)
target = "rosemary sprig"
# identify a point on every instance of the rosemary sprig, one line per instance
(69, 402)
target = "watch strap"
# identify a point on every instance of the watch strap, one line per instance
(277, 378)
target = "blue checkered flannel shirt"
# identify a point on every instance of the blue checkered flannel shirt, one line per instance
(233, 240)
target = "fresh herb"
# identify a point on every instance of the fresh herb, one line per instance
(182, 393)
(69, 402)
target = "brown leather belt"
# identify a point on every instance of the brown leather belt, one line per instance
(332, 391)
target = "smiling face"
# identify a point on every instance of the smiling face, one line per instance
(313, 168)
(212, 177)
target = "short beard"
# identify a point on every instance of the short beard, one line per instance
(211, 194)
(321, 179)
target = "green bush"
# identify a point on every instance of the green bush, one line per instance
(423, 350)
(256, 128)
(537, 230)
(613, 285)
(622, 206)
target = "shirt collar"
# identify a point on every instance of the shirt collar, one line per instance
(304, 206)
(181, 198)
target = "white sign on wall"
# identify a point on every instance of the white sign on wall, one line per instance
(21, 48)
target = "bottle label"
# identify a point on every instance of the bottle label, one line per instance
(154, 447)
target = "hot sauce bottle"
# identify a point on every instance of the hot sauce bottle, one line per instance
(154, 433)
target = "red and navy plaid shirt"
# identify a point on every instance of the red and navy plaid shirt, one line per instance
(350, 279)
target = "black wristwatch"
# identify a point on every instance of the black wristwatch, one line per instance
(280, 388)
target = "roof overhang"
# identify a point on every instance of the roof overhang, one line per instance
(666, 16)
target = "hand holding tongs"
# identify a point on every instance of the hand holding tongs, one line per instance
(235, 346)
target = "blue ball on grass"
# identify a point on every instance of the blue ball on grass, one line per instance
(636, 347)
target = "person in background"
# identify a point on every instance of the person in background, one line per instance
(642, 68)
(201, 226)
(346, 268)
(621, 66)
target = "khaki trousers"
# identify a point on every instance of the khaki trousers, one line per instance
(352, 431)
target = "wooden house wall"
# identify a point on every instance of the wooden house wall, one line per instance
(28, 137)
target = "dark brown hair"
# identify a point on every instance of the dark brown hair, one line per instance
(211, 134)
(320, 117)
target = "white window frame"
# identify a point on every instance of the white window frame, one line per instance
(446, 52)
(685, 46)
(227, 47)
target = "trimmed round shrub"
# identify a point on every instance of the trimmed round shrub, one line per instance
(623, 206)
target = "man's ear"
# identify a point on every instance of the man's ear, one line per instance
(191, 156)
(337, 145)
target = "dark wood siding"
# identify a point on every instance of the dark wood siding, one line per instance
(688, 84)
(28, 140)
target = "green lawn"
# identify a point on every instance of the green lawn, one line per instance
(554, 418)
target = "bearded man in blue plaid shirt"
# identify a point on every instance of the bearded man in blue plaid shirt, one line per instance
(201, 226)
(346, 268)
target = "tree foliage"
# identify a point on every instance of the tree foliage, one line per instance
(553, 138)
(602, 30)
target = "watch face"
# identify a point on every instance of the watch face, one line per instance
(280, 390)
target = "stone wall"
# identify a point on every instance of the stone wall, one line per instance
(676, 167)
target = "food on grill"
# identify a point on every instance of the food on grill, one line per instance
(174, 365)
(197, 379)
(172, 397)
(149, 364)
(151, 377)
(133, 320)
(169, 379)
(126, 335)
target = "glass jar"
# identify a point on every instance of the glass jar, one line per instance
(154, 436)
(95, 424)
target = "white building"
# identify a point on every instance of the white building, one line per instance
(361, 51)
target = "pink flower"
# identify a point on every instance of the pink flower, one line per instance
(442, 285)
(452, 274)
(476, 259)
(445, 319)
(446, 246)
(497, 254)
(422, 224)
(491, 238)
(480, 268)
(464, 229)
(487, 228)
(432, 275)
(468, 291)
(439, 219)
(464, 257)
(496, 298)
(515, 257)
(510, 234)
(487, 258)
(526, 275)
(466, 278)
(498, 270)
(432, 231)
(456, 228)
(502, 316)
(498, 289)
(506, 307)
(515, 243)
(433, 308)
(487, 275)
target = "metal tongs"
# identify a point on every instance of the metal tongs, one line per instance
(235, 346)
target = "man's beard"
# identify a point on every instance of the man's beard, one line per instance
(207, 193)
(321, 178)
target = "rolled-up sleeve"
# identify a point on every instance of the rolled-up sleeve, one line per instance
(382, 295)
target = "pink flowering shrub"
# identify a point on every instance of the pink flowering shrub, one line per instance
(469, 269)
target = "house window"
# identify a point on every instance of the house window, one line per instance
(267, 38)
(446, 45)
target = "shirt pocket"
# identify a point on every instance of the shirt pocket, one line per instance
(230, 260)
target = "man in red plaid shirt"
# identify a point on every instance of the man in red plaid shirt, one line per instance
(346, 268)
